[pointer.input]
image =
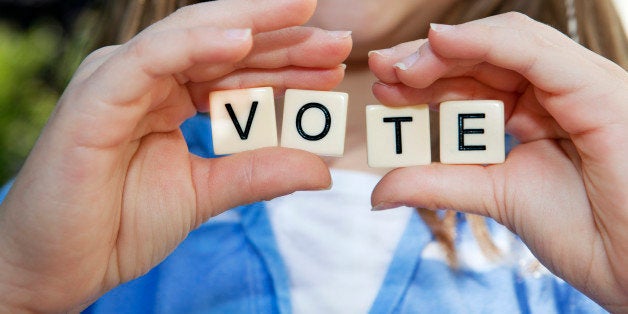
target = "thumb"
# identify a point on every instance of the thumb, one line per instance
(536, 180)
(469, 188)
(251, 176)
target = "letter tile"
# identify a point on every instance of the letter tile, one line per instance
(242, 119)
(315, 121)
(472, 132)
(398, 136)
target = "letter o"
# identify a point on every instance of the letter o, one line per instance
(327, 121)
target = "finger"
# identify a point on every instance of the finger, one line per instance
(533, 169)
(146, 59)
(259, 16)
(296, 46)
(399, 65)
(93, 61)
(252, 176)
(279, 79)
(434, 67)
(567, 79)
(514, 20)
(459, 88)
(139, 73)
(469, 188)
(381, 61)
(524, 118)
(299, 46)
(529, 121)
(167, 116)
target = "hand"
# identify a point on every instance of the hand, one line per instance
(564, 189)
(110, 188)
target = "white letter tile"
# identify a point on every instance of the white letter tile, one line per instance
(398, 136)
(315, 121)
(242, 119)
(472, 132)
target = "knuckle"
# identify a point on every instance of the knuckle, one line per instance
(97, 56)
(182, 13)
(518, 17)
(190, 35)
(139, 47)
(98, 53)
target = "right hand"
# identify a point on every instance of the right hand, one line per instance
(110, 188)
(563, 190)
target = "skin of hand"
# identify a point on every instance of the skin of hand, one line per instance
(110, 188)
(564, 189)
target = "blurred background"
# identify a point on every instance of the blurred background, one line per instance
(41, 44)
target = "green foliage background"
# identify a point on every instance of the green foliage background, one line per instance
(26, 95)
(35, 65)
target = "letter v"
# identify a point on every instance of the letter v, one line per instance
(243, 134)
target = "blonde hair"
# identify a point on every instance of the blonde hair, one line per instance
(593, 23)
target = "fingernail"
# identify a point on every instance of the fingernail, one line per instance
(407, 62)
(382, 52)
(339, 34)
(342, 66)
(237, 33)
(386, 205)
(441, 27)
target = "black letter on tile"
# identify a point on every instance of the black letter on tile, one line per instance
(397, 122)
(462, 131)
(327, 121)
(243, 134)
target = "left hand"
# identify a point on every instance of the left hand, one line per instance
(564, 189)
(110, 188)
